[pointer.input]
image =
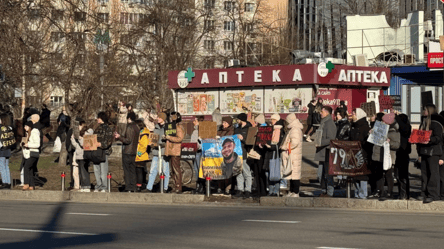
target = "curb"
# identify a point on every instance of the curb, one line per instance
(310, 202)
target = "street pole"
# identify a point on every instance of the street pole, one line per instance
(102, 63)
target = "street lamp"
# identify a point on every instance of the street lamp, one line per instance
(102, 41)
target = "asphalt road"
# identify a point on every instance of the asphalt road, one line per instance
(69, 225)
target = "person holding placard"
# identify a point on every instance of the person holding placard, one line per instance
(244, 180)
(173, 149)
(430, 154)
(104, 142)
(226, 129)
(402, 157)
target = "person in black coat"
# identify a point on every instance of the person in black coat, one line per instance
(402, 156)
(430, 154)
(311, 109)
(342, 125)
(45, 119)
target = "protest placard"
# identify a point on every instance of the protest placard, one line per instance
(264, 135)
(170, 129)
(369, 108)
(379, 133)
(207, 129)
(276, 136)
(90, 142)
(221, 158)
(188, 151)
(153, 139)
(426, 98)
(251, 136)
(346, 158)
(420, 136)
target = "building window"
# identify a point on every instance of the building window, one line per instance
(129, 18)
(229, 25)
(79, 16)
(103, 17)
(228, 45)
(209, 44)
(209, 4)
(56, 101)
(248, 27)
(57, 15)
(209, 25)
(103, 1)
(124, 1)
(57, 36)
(249, 7)
(228, 5)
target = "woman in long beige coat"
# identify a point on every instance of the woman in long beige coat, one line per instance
(292, 146)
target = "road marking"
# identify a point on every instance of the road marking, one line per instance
(274, 221)
(42, 231)
(89, 214)
(334, 248)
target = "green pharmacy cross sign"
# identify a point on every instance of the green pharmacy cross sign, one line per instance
(190, 74)
(330, 66)
(102, 38)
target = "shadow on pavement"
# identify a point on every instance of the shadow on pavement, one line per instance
(309, 162)
(50, 240)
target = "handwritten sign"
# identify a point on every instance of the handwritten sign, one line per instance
(207, 129)
(276, 136)
(264, 135)
(170, 129)
(251, 136)
(369, 108)
(153, 139)
(346, 158)
(385, 103)
(90, 142)
(379, 134)
(420, 137)
(188, 151)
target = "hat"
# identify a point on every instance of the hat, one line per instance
(33, 111)
(131, 116)
(242, 117)
(227, 119)
(29, 123)
(79, 119)
(389, 118)
(260, 119)
(162, 115)
(291, 118)
(360, 113)
(276, 117)
(227, 140)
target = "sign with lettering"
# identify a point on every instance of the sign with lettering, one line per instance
(153, 139)
(188, 151)
(346, 159)
(170, 129)
(420, 136)
(90, 142)
(378, 134)
(251, 136)
(264, 135)
(207, 129)
(369, 108)
(435, 60)
(388, 102)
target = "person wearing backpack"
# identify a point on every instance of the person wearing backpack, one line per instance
(104, 142)
(7, 141)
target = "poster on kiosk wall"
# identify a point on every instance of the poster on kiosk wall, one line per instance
(197, 103)
(236, 101)
(287, 100)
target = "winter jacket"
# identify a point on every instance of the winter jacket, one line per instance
(33, 143)
(436, 139)
(78, 145)
(45, 117)
(293, 141)
(123, 112)
(39, 126)
(343, 130)
(274, 149)
(174, 143)
(105, 137)
(317, 115)
(143, 146)
(159, 130)
(244, 132)
(131, 139)
(311, 109)
(225, 132)
(360, 131)
(195, 138)
(395, 143)
(328, 129)
(405, 130)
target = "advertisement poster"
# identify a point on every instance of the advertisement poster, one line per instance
(238, 101)
(346, 159)
(197, 103)
(221, 158)
(287, 100)
(333, 96)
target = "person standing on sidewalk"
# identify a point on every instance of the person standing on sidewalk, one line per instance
(196, 165)
(121, 122)
(311, 109)
(31, 153)
(328, 129)
(159, 129)
(104, 141)
(129, 150)
(83, 164)
(403, 158)
(292, 150)
(45, 119)
(245, 178)
(173, 150)
(226, 129)
(7, 141)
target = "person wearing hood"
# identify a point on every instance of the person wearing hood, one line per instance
(359, 131)
(244, 180)
(292, 150)
(342, 133)
(328, 133)
(394, 140)
(227, 128)
(402, 157)
(195, 139)
(257, 164)
(430, 154)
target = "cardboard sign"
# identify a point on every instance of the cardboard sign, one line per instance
(420, 137)
(369, 108)
(170, 129)
(188, 151)
(379, 134)
(90, 142)
(154, 139)
(264, 135)
(251, 136)
(221, 158)
(426, 98)
(276, 136)
(318, 138)
(207, 129)
(346, 159)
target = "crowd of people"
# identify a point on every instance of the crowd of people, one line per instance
(266, 167)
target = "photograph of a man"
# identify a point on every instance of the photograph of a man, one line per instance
(232, 163)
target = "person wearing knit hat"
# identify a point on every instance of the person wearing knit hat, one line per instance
(358, 113)
(162, 116)
(242, 117)
(260, 119)
(276, 116)
(245, 178)
(389, 118)
(227, 119)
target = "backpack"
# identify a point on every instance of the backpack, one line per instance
(96, 156)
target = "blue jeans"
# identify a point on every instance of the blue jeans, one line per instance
(155, 169)
(196, 165)
(101, 173)
(361, 190)
(4, 170)
(245, 177)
